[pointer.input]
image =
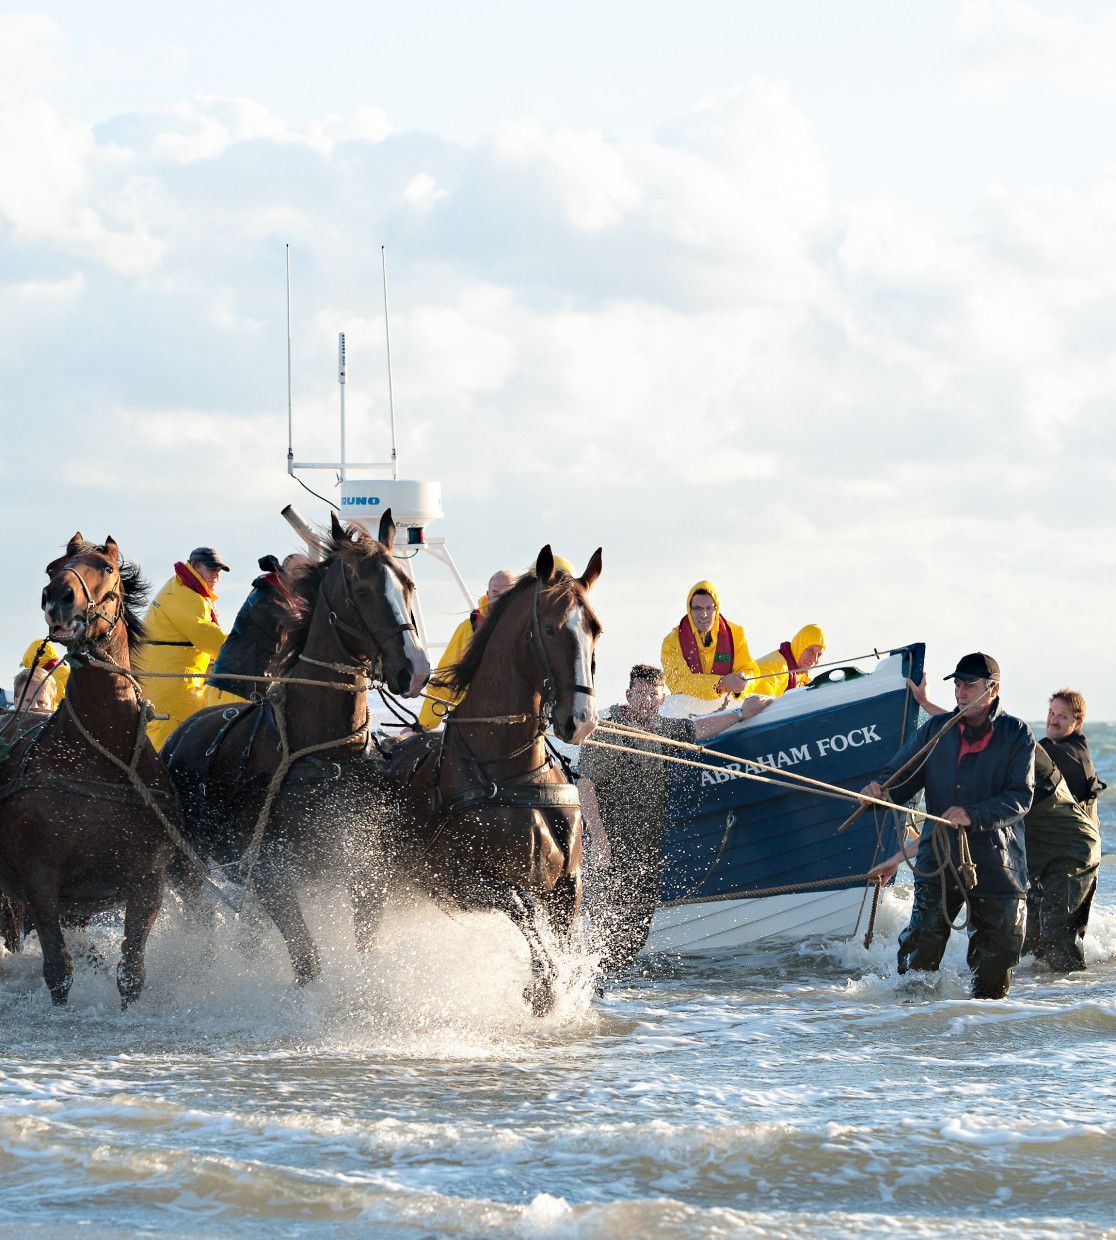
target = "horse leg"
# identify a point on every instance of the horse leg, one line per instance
(145, 897)
(483, 892)
(368, 896)
(11, 924)
(43, 900)
(276, 893)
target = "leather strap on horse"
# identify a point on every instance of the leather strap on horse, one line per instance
(252, 852)
(145, 794)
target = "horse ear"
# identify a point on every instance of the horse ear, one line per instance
(592, 570)
(335, 526)
(75, 543)
(544, 565)
(387, 529)
(112, 550)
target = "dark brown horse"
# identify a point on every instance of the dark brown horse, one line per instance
(75, 836)
(274, 788)
(486, 816)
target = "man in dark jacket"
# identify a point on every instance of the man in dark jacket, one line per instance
(1066, 744)
(980, 777)
(256, 632)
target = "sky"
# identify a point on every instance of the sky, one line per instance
(816, 301)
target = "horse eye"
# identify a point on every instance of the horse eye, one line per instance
(549, 629)
(362, 592)
(106, 569)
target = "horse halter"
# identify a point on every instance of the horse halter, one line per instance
(340, 626)
(549, 686)
(94, 609)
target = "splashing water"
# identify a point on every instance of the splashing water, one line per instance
(805, 1090)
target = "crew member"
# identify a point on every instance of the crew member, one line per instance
(184, 636)
(979, 776)
(624, 805)
(256, 633)
(1063, 858)
(50, 659)
(705, 655)
(432, 712)
(1066, 743)
(789, 666)
(34, 690)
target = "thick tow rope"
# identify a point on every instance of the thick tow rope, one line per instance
(787, 779)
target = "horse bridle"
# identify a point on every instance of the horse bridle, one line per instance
(549, 686)
(93, 609)
(340, 626)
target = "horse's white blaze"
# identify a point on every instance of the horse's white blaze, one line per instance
(584, 704)
(413, 652)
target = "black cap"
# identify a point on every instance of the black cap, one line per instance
(976, 667)
(270, 564)
(209, 558)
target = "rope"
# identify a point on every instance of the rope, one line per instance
(832, 791)
(251, 854)
(131, 770)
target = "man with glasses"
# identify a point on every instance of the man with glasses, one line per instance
(981, 778)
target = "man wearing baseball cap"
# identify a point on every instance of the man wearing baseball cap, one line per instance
(183, 637)
(980, 776)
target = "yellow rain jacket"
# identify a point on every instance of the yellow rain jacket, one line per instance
(679, 676)
(182, 636)
(775, 665)
(52, 657)
(454, 651)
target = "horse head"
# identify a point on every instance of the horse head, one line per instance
(370, 599)
(562, 636)
(83, 602)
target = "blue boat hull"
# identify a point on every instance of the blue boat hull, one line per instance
(750, 853)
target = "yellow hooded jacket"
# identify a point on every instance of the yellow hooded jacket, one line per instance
(51, 658)
(703, 684)
(453, 653)
(774, 664)
(182, 636)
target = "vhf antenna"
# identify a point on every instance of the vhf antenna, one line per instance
(387, 348)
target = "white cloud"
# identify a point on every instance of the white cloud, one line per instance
(1009, 44)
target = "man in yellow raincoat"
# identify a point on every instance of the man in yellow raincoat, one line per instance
(431, 714)
(183, 636)
(50, 659)
(789, 666)
(705, 655)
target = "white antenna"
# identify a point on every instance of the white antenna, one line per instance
(290, 403)
(387, 346)
(341, 384)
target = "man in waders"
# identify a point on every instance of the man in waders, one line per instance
(980, 777)
(624, 805)
(1066, 744)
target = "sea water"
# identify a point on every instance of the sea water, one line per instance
(802, 1090)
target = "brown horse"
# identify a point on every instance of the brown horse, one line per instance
(75, 836)
(274, 788)
(486, 816)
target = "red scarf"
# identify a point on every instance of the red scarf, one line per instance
(192, 581)
(792, 665)
(723, 658)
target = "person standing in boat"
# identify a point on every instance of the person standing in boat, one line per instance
(256, 633)
(789, 666)
(432, 712)
(707, 656)
(183, 637)
(624, 806)
(980, 776)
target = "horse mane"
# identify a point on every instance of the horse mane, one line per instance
(356, 544)
(137, 592)
(459, 676)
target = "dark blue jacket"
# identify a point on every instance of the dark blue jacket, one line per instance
(995, 786)
(254, 640)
